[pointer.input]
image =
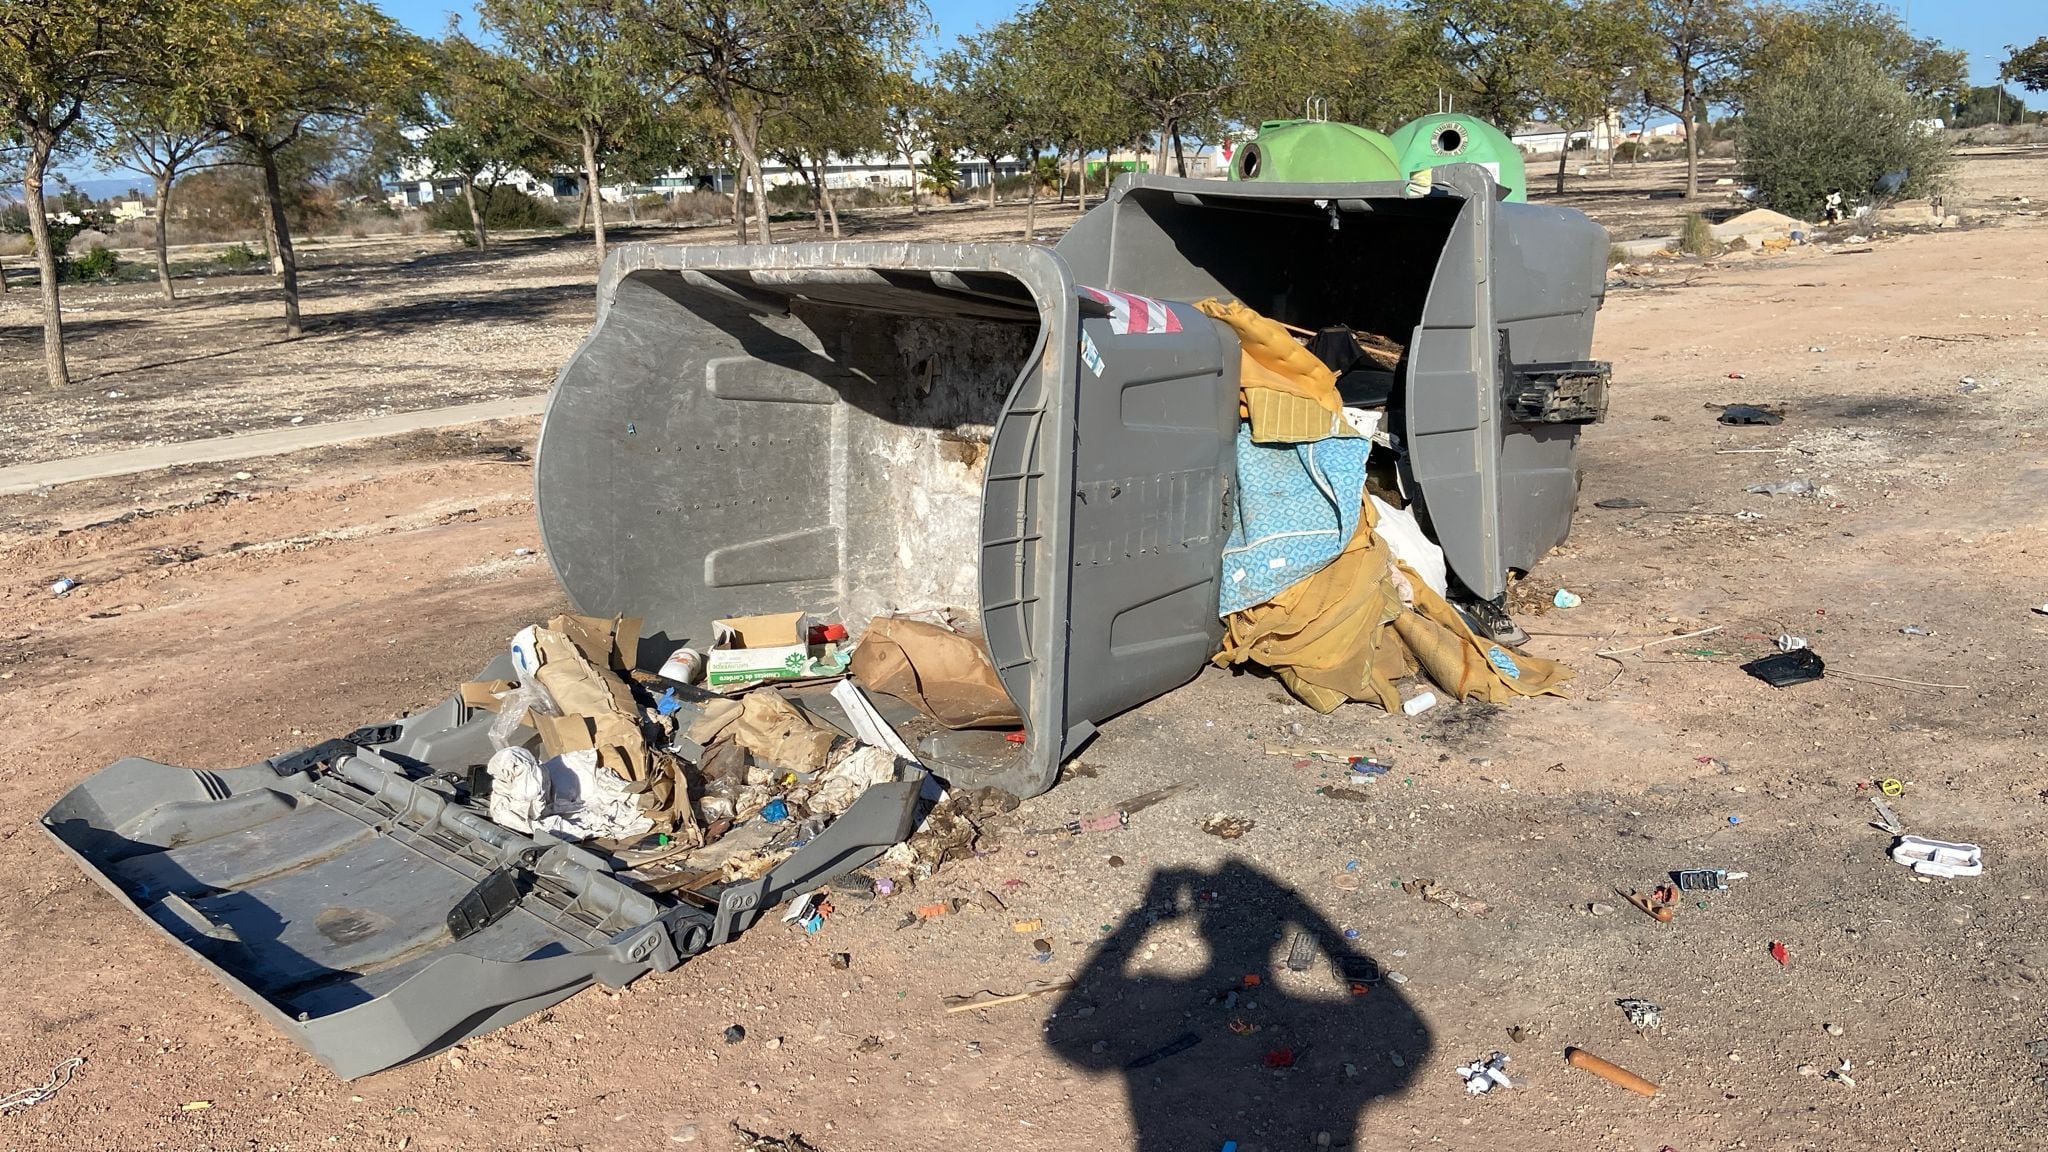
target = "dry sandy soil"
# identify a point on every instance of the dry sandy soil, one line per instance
(220, 620)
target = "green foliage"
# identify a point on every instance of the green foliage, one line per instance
(98, 264)
(1986, 105)
(941, 175)
(502, 208)
(1696, 236)
(1784, 37)
(238, 258)
(2028, 66)
(1837, 121)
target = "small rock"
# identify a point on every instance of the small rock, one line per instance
(1099, 1047)
(1833, 1029)
(298, 419)
(1808, 1070)
(1398, 977)
(245, 476)
(774, 1043)
(735, 1034)
(1599, 909)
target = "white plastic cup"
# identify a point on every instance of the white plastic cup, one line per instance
(1419, 703)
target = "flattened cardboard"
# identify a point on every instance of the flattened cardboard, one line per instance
(484, 694)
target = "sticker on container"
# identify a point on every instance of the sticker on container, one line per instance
(1129, 314)
(1090, 355)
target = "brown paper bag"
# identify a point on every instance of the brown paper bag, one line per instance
(947, 675)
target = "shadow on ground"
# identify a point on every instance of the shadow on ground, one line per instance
(1242, 1049)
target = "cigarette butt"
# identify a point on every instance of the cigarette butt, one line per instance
(1027, 925)
(1612, 1073)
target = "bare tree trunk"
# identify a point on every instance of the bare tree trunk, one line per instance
(476, 216)
(1563, 150)
(270, 238)
(816, 176)
(992, 181)
(46, 263)
(590, 175)
(1081, 179)
(162, 230)
(1031, 203)
(273, 202)
(1180, 158)
(761, 233)
(912, 157)
(1692, 153)
(831, 209)
(1166, 131)
(3, 277)
(582, 205)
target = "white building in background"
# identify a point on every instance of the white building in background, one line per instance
(416, 184)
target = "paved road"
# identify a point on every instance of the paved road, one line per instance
(28, 477)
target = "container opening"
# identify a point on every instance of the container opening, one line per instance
(809, 439)
(1450, 142)
(1373, 271)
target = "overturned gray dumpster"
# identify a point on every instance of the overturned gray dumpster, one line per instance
(1036, 442)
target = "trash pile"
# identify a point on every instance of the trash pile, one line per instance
(1334, 587)
(693, 785)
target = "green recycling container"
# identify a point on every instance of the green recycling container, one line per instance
(1315, 152)
(1454, 137)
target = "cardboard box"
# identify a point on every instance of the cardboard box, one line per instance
(748, 649)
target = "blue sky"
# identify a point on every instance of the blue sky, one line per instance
(1980, 27)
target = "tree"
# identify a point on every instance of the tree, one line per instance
(1603, 46)
(578, 66)
(907, 121)
(1983, 105)
(2028, 66)
(745, 57)
(1395, 67)
(57, 57)
(1505, 55)
(270, 74)
(840, 114)
(1782, 35)
(470, 122)
(1838, 120)
(1700, 47)
(146, 132)
(982, 91)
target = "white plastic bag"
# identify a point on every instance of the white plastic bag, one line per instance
(519, 789)
(1410, 545)
(512, 709)
(586, 799)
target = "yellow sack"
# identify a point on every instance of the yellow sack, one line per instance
(1285, 393)
(1327, 639)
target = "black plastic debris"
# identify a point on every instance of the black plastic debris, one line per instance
(1621, 502)
(1785, 669)
(1749, 414)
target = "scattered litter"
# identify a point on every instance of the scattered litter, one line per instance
(842, 960)
(1967, 384)
(1840, 1075)
(1736, 376)
(63, 586)
(884, 886)
(1914, 630)
(1787, 642)
(298, 419)
(1779, 953)
(60, 1077)
(1566, 599)
(1657, 904)
(809, 910)
(1701, 879)
(1642, 1014)
(1621, 502)
(1939, 857)
(1817, 348)
(1612, 1073)
(1224, 826)
(2041, 610)
(1796, 487)
(1417, 704)
(1482, 1076)
(1749, 414)
(1174, 1047)
(1279, 1058)
(1521, 1033)
(1734, 820)
(1435, 893)
(735, 1033)
(988, 999)
(1026, 927)
(245, 476)
(1798, 666)
(1301, 954)
(932, 911)
(1888, 820)
(1398, 978)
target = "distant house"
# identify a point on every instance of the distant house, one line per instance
(1538, 137)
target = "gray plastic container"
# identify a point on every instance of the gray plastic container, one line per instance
(845, 429)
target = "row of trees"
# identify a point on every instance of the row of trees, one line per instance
(633, 88)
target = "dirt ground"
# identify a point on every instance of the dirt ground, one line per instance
(221, 619)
